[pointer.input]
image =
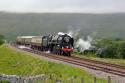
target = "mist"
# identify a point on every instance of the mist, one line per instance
(69, 6)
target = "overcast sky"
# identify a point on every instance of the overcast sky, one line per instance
(83, 6)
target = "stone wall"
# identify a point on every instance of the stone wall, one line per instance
(18, 79)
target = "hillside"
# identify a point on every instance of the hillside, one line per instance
(97, 25)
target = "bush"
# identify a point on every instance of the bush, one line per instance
(111, 48)
(1, 39)
(121, 49)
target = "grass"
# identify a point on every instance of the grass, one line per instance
(4, 81)
(94, 57)
(18, 63)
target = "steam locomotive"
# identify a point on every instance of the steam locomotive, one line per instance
(61, 43)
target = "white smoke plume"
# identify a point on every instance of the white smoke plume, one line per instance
(47, 52)
(61, 33)
(74, 33)
(83, 44)
(89, 39)
(23, 47)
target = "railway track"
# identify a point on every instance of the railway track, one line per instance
(92, 64)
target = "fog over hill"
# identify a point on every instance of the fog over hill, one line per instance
(96, 25)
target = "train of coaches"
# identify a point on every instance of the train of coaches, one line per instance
(60, 43)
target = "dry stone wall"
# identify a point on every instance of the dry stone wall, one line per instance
(19, 79)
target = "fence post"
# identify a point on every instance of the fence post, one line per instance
(82, 80)
(109, 79)
(72, 80)
(58, 81)
(44, 79)
(94, 79)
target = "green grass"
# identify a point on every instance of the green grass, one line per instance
(18, 63)
(94, 57)
(4, 81)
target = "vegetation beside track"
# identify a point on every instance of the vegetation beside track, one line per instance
(14, 62)
(1, 39)
(109, 50)
(109, 60)
(4, 81)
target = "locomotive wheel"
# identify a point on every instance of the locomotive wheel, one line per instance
(69, 54)
(64, 53)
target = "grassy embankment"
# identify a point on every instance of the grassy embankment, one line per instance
(14, 62)
(110, 60)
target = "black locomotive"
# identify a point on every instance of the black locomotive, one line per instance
(61, 44)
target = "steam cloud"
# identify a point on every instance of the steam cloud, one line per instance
(81, 43)
(73, 33)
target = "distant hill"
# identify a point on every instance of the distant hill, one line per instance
(97, 25)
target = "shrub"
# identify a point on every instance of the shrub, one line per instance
(111, 48)
(1, 39)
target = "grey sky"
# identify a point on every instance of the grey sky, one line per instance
(84, 6)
